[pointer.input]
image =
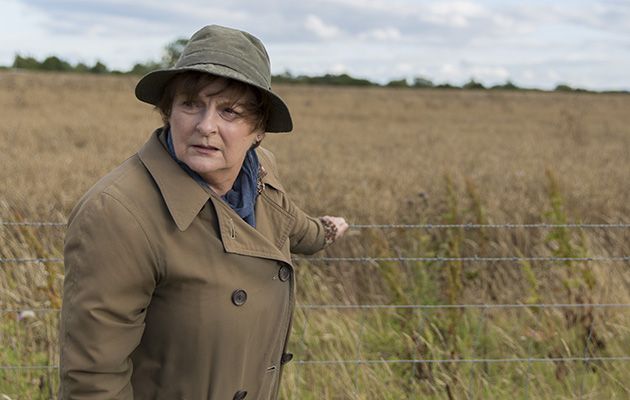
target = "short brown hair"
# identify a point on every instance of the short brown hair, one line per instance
(190, 83)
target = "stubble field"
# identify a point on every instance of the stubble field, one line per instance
(375, 156)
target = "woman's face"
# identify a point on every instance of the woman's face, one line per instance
(211, 133)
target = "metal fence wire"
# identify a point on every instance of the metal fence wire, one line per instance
(18, 311)
(56, 260)
(401, 226)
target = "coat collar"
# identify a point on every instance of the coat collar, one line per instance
(183, 196)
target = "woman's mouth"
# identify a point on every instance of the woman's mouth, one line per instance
(205, 149)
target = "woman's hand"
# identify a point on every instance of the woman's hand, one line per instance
(340, 224)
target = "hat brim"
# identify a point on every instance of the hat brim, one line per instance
(151, 86)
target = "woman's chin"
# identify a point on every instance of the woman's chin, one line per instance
(202, 165)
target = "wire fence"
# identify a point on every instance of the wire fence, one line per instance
(412, 361)
(586, 358)
(404, 226)
(392, 307)
(475, 259)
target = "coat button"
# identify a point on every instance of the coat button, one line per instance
(240, 395)
(284, 273)
(239, 297)
(286, 357)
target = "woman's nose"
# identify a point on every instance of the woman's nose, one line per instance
(208, 121)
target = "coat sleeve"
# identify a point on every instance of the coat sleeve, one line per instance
(308, 234)
(110, 275)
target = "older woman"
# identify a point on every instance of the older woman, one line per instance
(179, 282)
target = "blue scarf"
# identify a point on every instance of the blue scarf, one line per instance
(242, 197)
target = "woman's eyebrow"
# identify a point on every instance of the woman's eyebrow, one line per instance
(231, 101)
(221, 97)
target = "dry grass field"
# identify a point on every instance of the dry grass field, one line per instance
(375, 156)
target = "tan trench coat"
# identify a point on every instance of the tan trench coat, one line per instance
(169, 294)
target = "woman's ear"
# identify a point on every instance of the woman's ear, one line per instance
(258, 139)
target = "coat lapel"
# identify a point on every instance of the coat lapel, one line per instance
(183, 196)
(239, 237)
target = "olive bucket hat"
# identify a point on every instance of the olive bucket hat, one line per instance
(228, 53)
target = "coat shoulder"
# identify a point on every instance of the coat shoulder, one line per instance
(267, 159)
(129, 184)
(268, 162)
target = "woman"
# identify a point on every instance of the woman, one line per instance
(179, 283)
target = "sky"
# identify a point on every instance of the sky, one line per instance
(532, 43)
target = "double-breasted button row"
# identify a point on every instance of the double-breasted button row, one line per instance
(240, 395)
(239, 297)
(286, 357)
(284, 273)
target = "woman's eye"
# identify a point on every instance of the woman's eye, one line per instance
(190, 104)
(230, 113)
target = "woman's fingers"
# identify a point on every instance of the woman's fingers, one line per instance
(340, 223)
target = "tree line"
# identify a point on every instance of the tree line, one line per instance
(172, 51)
(170, 54)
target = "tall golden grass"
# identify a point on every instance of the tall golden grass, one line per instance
(373, 155)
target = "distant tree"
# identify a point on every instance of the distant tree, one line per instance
(398, 83)
(446, 86)
(25, 62)
(508, 85)
(54, 63)
(421, 82)
(173, 51)
(473, 84)
(285, 77)
(566, 88)
(562, 87)
(287, 74)
(341, 80)
(328, 79)
(170, 54)
(81, 67)
(99, 68)
(142, 69)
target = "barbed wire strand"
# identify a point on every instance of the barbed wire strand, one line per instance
(399, 306)
(489, 226)
(462, 306)
(30, 260)
(468, 259)
(412, 361)
(384, 259)
(31, 223)
(400, 226)
(466, 360)
(35, 310)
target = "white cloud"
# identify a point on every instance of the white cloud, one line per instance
(552, 74)
(384, 34)
(450, 70)
(581, 42)
(456, 14)
(324, 31)
(463, 8)
(404, 67)
(338, 69)
(490, 74)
